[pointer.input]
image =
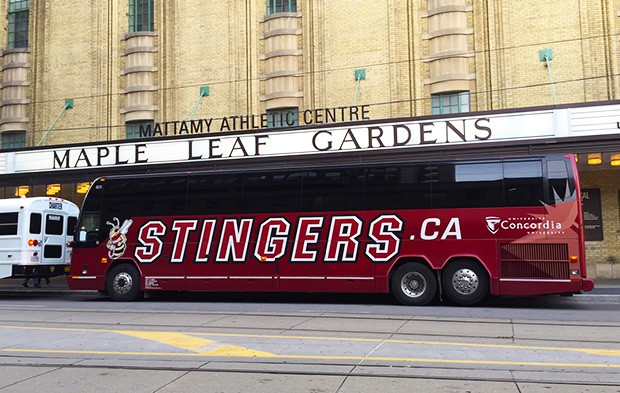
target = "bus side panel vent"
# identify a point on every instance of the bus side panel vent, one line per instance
(525, 260)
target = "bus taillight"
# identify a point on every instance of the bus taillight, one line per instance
(33, 242)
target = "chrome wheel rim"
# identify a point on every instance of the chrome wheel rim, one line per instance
(122, 283)
(413, 284)
(465, 281)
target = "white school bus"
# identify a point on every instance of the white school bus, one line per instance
(33, 236)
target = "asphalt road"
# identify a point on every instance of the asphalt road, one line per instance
(80, 341)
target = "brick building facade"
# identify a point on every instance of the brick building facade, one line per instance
(81, 73)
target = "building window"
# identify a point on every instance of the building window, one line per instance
(450, 103)
(18, 23)
(13, 139)
(138, 129)
(282, 117)
(276, 6)
(141, 15)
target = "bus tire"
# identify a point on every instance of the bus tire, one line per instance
(414, 284)
(465, 282)
(123, 283)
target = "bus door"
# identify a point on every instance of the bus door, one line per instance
(54, 248)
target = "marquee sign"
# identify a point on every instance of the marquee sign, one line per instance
(389, 135)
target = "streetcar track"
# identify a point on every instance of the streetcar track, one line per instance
(211, 320)
(309, 315)
(192, 341)
(316, 370)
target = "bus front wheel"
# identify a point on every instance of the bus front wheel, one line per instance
(465, 282)
(123, 283)
(414, 284)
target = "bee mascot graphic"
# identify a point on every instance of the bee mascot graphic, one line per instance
(117, 242)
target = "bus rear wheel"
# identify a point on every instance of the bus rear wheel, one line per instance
(123, 283)
(465, 282)
(414, 284)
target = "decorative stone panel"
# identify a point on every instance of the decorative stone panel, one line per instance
(14, 105)
(140, 77)
(281, 60)
(448, 46)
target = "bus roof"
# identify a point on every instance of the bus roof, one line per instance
(15, 203)
(319, 164)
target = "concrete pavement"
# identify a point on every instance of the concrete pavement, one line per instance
(64, 371)
(95, 379)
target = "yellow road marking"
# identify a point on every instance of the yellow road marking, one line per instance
(195, 344)
(179, 340)
(605, 352)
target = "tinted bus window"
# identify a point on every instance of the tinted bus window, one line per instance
(119, 196)
(52, 251)
(333, 190)
(272, 192)
(92, 202)
(214, 194)
(468, 185)
(71, 225)
(35, 223)
(54, 224)
(523, 183)
(561, 186)
(89, 227)
(90, 218)
(157, 196)
(8, 224)
(398, 187)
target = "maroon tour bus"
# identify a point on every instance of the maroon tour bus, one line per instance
(465, 228)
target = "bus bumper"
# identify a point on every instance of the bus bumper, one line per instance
(535, 287)
(587, 284)
(39, 271)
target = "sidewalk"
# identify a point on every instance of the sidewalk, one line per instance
(56, 283)
(606, 283)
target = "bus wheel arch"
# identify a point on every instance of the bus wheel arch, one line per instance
(122, 282)
(413, 282)
(465, 281)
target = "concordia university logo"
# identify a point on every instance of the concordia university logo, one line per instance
(493, 224)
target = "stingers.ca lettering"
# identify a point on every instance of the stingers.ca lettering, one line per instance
(305, 239)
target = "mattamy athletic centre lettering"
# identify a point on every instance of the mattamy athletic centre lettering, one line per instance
(256, 122)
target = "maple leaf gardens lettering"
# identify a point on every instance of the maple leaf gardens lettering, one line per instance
(272, 239)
